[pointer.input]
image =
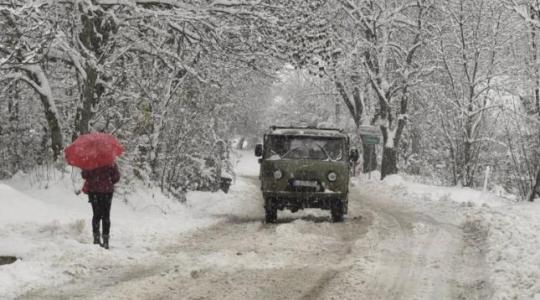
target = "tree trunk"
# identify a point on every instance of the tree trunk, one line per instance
(240, 145)
(37, 75)
(389, 162)
(54, 128)
(391, 139)
(89, 101)
(369, 158)
(536, 187)
(95, 34)
(535, 15)
(415, 148)
(356, 109)
(466, 170)
(337, 112)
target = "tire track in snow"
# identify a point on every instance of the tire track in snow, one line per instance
(294, 259)
(475, 283)
(255, 261)
(411, 253)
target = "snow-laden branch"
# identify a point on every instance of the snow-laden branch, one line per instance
(161, 53)
(170, 3)
(351, 9)
(390, 132)
(521, 10)
(186, 32)
(20, 76)
(485, 139)
(6, 59)
(528, 118)
(75, 57)
(345, 97)
(378, 89)
(39, 83)
(231, 3)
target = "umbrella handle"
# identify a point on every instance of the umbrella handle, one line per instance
(75, 189)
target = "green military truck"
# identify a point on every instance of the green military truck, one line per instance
(305, 167)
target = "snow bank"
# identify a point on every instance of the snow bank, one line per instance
(513, 249)
(466, 196)
(244, 201)
(506, 233)
(394, 180)
(19, 207)
(48, 227)
(374, 176)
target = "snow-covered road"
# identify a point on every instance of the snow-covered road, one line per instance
(401, 240)
(384, 250)
(413, 253)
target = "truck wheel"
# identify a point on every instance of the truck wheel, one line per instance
(270, 211)
(271, 215)
(337, 211)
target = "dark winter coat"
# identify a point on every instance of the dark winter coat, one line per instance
(101, 180)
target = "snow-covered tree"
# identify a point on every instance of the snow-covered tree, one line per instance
(471, 51)
(24, 43)
(527, 115)
(394, 33)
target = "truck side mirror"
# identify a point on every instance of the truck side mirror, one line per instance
(353, 155)
(258, 150)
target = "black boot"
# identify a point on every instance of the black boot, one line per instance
(105, 242)
(96, 239)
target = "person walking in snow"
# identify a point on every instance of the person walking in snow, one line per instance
(99, 185)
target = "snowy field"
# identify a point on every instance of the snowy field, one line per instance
(401, 240)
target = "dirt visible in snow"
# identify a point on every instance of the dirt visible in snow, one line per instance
(6, 260)
(235, 259)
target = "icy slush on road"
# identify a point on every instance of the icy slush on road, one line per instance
(304, 167)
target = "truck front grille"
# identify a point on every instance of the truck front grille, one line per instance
(304, 186)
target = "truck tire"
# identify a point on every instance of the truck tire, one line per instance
(271, 215)
(270, 211)
(337, 211)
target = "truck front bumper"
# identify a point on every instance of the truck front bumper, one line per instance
(299, 200)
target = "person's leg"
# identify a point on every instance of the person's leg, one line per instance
(93, 199)
(106, 201)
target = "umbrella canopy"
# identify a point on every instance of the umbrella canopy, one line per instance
(93, 150)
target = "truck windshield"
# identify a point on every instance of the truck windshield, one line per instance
(295, 147)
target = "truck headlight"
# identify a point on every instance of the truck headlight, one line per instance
(332, 176)
(278, 174)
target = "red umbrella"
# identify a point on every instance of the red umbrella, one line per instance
(93, 150)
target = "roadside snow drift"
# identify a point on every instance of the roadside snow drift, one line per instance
(48, 227)
(504, 232)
